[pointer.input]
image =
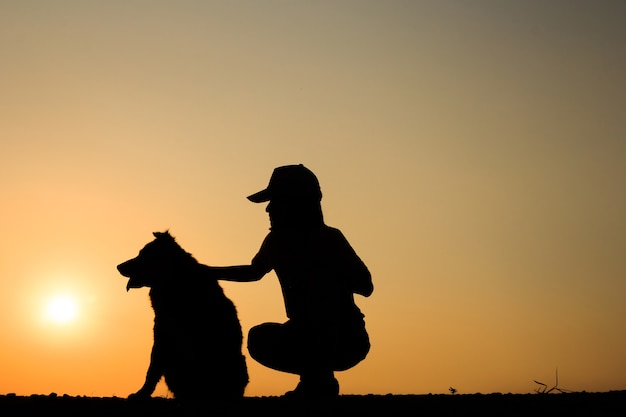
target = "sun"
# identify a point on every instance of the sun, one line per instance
(61, 309)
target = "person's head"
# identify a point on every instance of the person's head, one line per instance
(294, 197)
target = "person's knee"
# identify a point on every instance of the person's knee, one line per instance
(261, 338)
(255, 337)
(253, 334)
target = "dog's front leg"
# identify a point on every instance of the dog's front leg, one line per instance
(154, 374)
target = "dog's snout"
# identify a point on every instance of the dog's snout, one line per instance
(125, 268)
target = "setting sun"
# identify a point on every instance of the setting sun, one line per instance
(61, 309)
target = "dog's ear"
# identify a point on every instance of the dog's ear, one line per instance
(163, 234)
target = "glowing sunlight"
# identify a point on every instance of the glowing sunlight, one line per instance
(61, 309)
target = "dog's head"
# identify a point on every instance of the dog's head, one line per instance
(157, 262)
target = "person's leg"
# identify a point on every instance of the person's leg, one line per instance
(317, 378)
(290, 348)
(350, 346)
(274, 345)
(314, 354)
(334, 348)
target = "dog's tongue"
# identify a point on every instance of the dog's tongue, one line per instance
(132, 283)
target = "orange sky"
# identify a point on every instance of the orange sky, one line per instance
(472, 152)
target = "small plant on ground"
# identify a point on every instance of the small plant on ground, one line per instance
(544, 388)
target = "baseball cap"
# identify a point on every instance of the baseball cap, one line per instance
(292, 182)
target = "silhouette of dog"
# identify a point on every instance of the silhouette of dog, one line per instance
(197, 335)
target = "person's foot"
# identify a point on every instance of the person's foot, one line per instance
(315, 389)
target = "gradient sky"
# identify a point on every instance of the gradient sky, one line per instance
(473, 152)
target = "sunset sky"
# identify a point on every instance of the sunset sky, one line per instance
(472, 152)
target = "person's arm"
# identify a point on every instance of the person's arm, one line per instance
(353, 268)
(259, 266)
(239, 273)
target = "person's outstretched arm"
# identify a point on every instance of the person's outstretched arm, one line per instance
(239, 273)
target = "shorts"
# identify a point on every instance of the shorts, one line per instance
(297, 349)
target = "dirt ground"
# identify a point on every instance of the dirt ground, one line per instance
(571, 404)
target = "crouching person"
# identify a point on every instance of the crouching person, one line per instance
(319, 274)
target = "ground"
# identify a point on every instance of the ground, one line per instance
(571, 404)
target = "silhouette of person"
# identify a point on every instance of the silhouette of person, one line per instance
(319, 273)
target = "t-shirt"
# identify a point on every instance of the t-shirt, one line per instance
(318, 272)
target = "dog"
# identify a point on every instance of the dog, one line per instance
(197, 335)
